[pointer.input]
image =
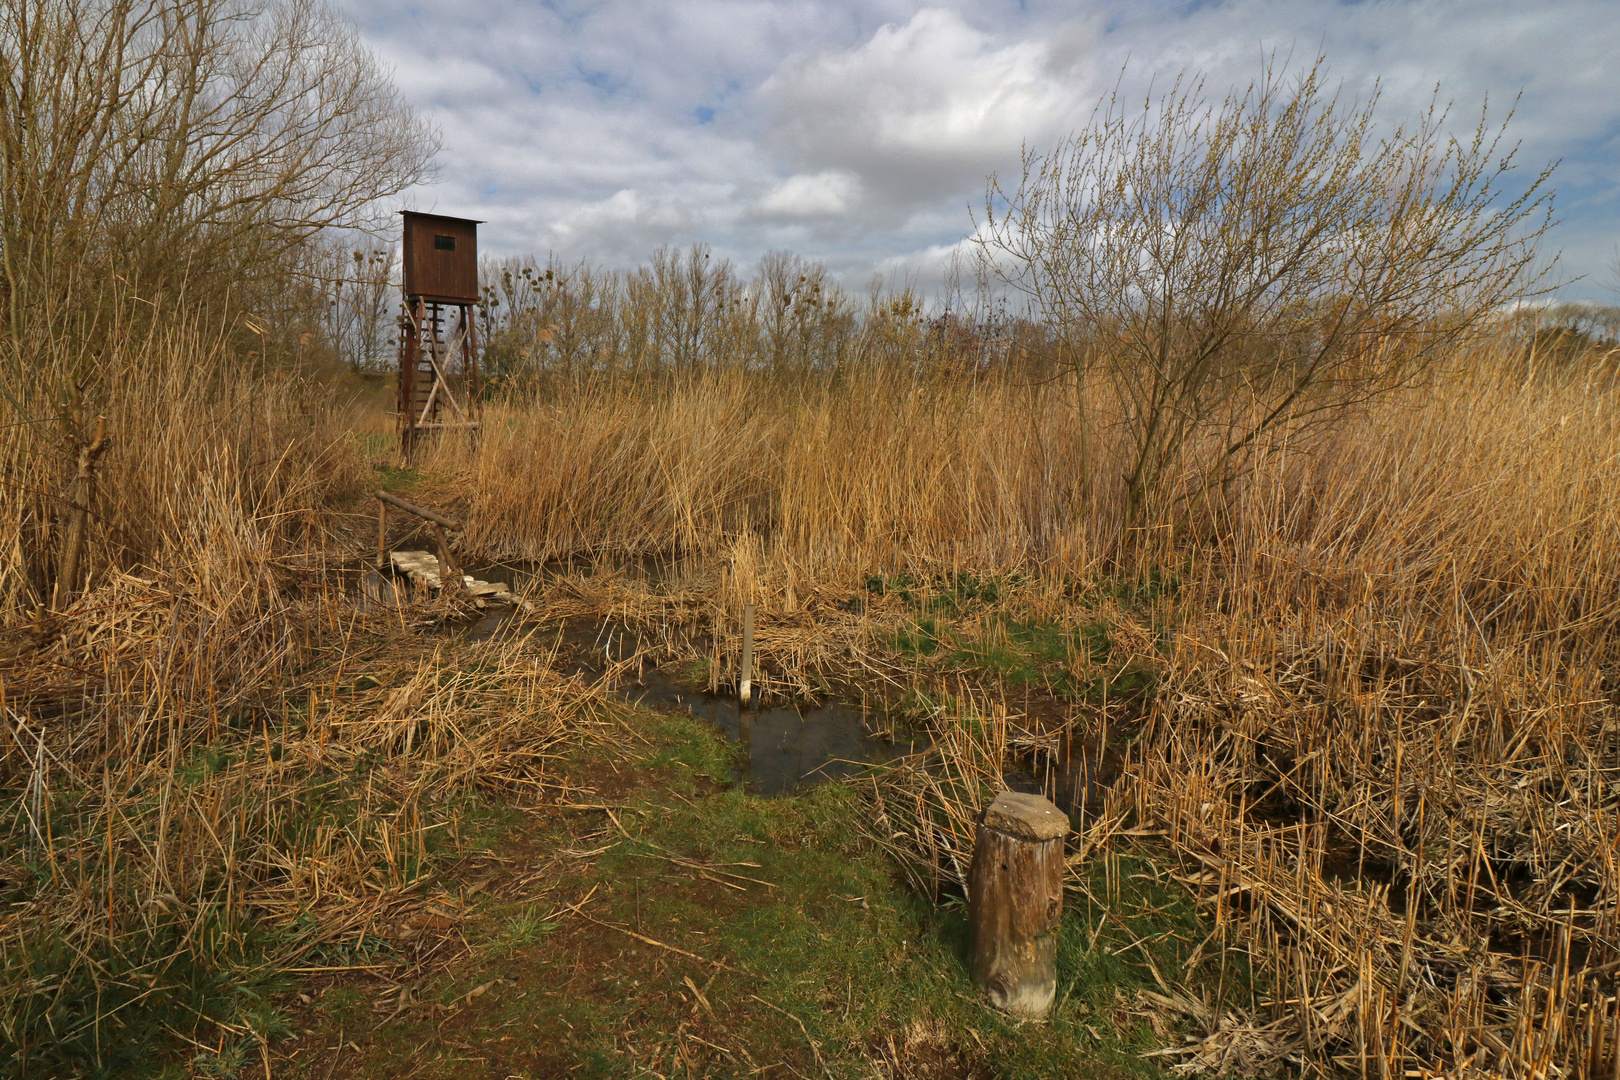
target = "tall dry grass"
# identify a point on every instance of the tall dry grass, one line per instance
(214, 766)
(877, 465)
(207, 444)
(1388, 737)
(870, 469)
(1386, 740)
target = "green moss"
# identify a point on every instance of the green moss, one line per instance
(922, 638)
(688, 750)
(392, 478)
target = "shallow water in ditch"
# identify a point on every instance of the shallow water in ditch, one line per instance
(784, 748)
(378, 588)
(520, 575)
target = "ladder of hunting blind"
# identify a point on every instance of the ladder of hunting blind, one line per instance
(431, 398)
(433, 401)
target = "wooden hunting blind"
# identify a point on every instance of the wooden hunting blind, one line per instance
(438, 340)
(441, 258)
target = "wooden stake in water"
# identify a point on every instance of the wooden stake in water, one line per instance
(745, 675)
(449, 573)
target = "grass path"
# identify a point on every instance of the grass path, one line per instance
(687, 929)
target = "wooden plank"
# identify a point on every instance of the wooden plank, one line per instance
(422, 569)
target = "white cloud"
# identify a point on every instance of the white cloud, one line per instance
(811, 195)
(921, 109)
(859, 132)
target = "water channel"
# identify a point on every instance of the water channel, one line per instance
(784, 747)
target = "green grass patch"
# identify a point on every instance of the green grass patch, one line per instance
(1145, 589)
(104, 980)
(809, 950)
(394, 478)
(688, 751)
(943, 594)
(1073, 664)
(78, 1006)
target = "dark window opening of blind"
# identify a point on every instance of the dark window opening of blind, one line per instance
(444, 243)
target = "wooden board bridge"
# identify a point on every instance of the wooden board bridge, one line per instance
(429, 571)
(421, 569)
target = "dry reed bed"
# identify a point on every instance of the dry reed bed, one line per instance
(851, 473)
(809, 640)
(210, 779)
(1388, 741)
(1385, 745)
(1422, 856)
(213, 759)
(207, 450)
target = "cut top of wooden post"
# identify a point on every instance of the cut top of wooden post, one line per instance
(1027, 817)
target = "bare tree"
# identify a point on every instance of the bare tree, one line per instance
(182, 151)
(803, 315)
(1229, 271)
(355, 289)
(168, 161)
(697, 297)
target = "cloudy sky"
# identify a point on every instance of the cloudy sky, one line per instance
(861, 133)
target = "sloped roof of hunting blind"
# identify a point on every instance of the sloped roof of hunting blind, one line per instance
(441, 258)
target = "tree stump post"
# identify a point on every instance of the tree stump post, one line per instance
(1015, 894)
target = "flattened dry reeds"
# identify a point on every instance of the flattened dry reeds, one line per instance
(222, 767)
(1386, 744)
(198, 777)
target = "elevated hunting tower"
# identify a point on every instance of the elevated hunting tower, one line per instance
(438, 342)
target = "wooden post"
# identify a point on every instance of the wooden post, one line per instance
(411, 508)
(450, 583)
(745, 676)
(382, 536)
(1015, 893)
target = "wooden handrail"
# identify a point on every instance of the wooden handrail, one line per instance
(411, 508)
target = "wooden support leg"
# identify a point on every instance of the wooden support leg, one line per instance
(449, 572)
(1015, 893)
(84, 493)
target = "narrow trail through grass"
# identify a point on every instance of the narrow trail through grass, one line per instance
(659, 922)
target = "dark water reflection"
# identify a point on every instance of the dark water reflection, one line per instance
(379, 588)
(785, 748)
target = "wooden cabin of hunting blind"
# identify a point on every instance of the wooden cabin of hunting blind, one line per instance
(441, 258)
(438, 342)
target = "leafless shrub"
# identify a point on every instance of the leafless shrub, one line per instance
(1234, 272)
(166, 165)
